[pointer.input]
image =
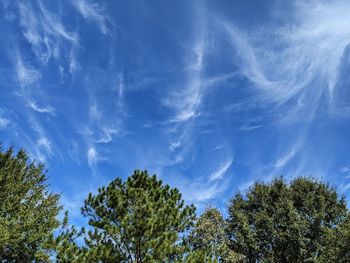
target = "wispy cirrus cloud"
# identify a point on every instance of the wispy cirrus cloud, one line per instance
(94, 112)
(44, 31)
(221, 171)
(41, 109)
(187, 101)
(106, 135)
(92, 156)
(282, 161)
(298, 61)
(345, 169)
(93, 12)
(26, 75)
(45, 144)
(4, 123)
(203, 190)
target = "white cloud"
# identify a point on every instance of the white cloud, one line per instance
(174, 145)
(106, 135)
(221, 171)
(43, 31)
(92, 156)
(48, 109)
(73, 63)
(282, 161)
(344, 188)
(249, 63)
(299, 60)
(186, 102)
(92, 11)
(204, 190)
(121, 86)
(345, 170)
(250, 127)
(3, 123)
(46, 144)
(26, 75)
(94, 112)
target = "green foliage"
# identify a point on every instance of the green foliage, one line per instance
(139, 220)
(281, 222)
(143, 220)
(28, 210)
(66, 248)
(339, 243)
(209, 239)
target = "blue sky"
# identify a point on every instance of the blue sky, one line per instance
(209, 95)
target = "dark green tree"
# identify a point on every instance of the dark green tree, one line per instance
(140, 220)
(28, 210)
(339, 244)
(280, 222)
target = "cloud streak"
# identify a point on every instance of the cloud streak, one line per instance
(4, 123)
(48, 109)
(92, 156)
(299, 61)
(26, 75)
(93, 12)
(44, 31)
(221, 171)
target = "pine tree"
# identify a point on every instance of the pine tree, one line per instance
(140, 220)
(28, 210)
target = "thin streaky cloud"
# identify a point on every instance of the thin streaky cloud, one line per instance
(250, 127)
(203, 190)
(221, 171)
(41, 109)
(186, 102)
(54, 26)
(107, 135)
(282, 161)
(4, 123)
(94, 112)
(94, 12)
(26, 75)
(92, 156)
(46, 144)
(306, 64)
(44, 31)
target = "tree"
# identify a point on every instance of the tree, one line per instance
(140, 220)
(66, 248)
(339, 240)
(28, 210)
(280, 222)
(208, 238)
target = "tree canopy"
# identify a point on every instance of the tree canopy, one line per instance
(209, 239)
(140, 220)
(28, 210)
(143, 220)
(280, 222)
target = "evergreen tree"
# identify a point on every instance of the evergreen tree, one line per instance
(140, 220)
(66, 248)
(28, 210)
(280, 222)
